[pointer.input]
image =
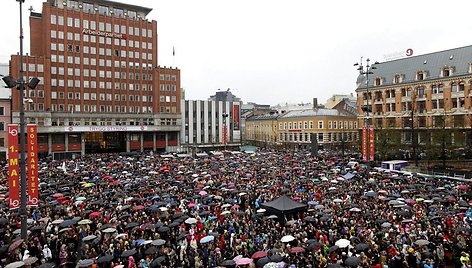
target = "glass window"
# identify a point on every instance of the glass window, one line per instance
(53, 19)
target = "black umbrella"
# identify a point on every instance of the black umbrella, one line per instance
(181, 236)
(361, 247)
(276, 258)
(333, 248)
(105, 259)
(157, 262)
(228, 263)
(163, 229)
(131, 225)
(334, 265)
(352, 261)
(128, 253)
(151, 250)
(262, 261)
(158, 242)
(67, 223)
(85, 263)
(47, 265)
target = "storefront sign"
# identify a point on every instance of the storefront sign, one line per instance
(13, 167)
(104, 128)
(32, 145)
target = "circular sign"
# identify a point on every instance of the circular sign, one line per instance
(409, 52)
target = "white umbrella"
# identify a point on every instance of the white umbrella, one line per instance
(287, 239)
(225, 212)
(342, 243)
(15, 264)
(121, 235)
(191, 221)
(57, 221)
(226, 206)
(109, 230)
(86, 221)
(355, 210)
(337, 200)
(261, 210)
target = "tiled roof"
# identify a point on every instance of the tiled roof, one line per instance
(459, 58)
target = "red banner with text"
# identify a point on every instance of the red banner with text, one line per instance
(225, 135)
(364, 143)
(371, 143)
(32, 138)
(13, 167)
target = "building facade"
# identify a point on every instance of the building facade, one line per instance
(331, 128)
(210, 125)
(101, 87)
(421, 102)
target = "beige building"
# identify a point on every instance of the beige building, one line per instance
(330, 127)
(427, 97)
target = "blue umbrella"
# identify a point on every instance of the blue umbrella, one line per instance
(207, 239)
(137, 242)
(312, 203)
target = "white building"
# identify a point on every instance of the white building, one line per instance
(203, 124)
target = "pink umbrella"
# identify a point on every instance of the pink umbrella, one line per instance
(202, 193)
(235, 207)
(140, 207)
(259, 254)
(243, 261)
(297, 250)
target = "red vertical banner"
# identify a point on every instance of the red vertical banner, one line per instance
(13, 167)
(364, 143)
(235, 116)
(32, 144)
(371, 143)
(225, 135)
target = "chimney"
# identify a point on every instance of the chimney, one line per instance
(315, 103)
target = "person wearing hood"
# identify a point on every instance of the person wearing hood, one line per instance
(47, 254)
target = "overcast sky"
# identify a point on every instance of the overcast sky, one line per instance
(274, 51)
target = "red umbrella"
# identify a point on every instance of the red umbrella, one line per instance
(15, 245)
(259, 254)
(463, 187)
(140, 207)
(95, 214)
(297, 250)
(57, 195)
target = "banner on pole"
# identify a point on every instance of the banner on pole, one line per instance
(364, 143)
(371, 143)
(225, 135)
(13, 167)
(32, 138)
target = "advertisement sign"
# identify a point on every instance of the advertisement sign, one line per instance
(235, 116)
(13, 167)
(32, 145)
(364, 143)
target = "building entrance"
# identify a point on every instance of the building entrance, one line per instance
(103, 142)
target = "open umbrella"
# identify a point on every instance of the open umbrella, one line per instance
(259, 254)
(158, 242)
(66, 223)
(342, 243)
(105, 259)
(128, 253)
(207, 239)
(89, 238)
(151, 250)
(276, 258)
(191, 221)
(157, 261)
(243, 261)
(47, 265)
(422, 242)
(85, 221)
(297, 250)
(228, 263)
(262, 261)
(85, 263)
(333, 249)
(287, 238)
(352, 261)
(109, 230)
(15, 245)
(361, 247)
(15, 264)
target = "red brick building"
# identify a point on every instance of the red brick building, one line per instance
(101, 87)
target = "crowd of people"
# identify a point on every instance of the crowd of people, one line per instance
(145, 210)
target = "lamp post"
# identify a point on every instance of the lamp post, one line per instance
(20, 85)
(365, 71)
(225, 130)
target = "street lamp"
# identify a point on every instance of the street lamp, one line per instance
(225, 130)
(365, 71)
(20, 85)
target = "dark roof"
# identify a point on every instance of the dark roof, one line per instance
(263, 117)
(320, 112)
(431, 63)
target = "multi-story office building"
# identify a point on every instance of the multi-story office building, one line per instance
(101, 87)
(422, 101)
(210, 125)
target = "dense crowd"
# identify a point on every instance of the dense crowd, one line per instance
(145, 211)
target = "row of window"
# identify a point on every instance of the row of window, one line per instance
(101, 84)
(93, 61)
(309, 125)
(146, 55)
(102, 96)
(306, 137)
(101, 73)
(105, 27)
(420, 75)
(102, 10)
(79, 36)
(419, 91)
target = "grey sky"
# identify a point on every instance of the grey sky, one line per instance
(273, 51)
